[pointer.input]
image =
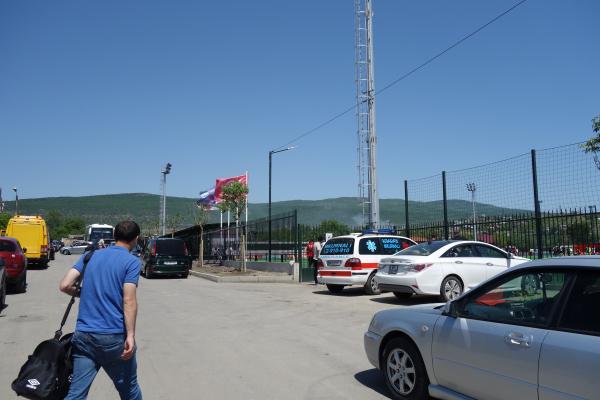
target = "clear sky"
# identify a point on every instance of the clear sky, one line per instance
(95, 96)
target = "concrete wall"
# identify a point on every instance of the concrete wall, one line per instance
(263, 266)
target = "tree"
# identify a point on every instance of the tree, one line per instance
(4, 217)
(173, 222)
(200, 214)
(54, 221)
(235, 196)
(579, 232)
(593, 145)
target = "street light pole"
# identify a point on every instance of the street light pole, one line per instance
(16, 201)
(471, 187)
(270, 180)
(166, 171)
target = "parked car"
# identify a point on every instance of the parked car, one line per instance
(2, 285)
(32, 233)
(137, 251)
(353, 259)
(15, 264)
(166, 256)
(498, 341)
(443, 267)
(78, 247)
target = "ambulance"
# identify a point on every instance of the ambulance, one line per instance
(352, 260)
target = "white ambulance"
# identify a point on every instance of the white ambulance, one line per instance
(353, 259)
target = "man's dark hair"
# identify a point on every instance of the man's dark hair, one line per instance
(321, 238)
(126, 231)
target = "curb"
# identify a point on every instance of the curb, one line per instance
(242, 279)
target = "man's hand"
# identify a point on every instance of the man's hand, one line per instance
(128, 348)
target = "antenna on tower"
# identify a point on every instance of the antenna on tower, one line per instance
(365, 113)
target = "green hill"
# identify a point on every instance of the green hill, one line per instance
(144, 208)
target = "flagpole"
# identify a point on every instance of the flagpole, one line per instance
(247, 185)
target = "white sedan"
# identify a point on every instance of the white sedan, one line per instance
(444, 268)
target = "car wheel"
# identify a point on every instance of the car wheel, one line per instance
(451, 288)
(185, 276)
(22, 286)
(371, 286)
(405, 373)
(335, 288)
(67, 253)
(2, 293)
(402, 295)
(147, 274)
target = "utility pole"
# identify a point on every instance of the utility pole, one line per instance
(471, 187)
(365, 112)
(163, 199)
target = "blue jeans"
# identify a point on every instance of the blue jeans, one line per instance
(92, 351)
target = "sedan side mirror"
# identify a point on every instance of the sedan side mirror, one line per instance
(24, 249)
(1, 262)
(451, 309)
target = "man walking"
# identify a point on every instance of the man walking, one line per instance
(317, 247)
(105, 332)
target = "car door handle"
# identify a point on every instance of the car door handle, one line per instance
(489, 264)
(458, 262)
(518, 339)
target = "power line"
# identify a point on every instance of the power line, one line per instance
(406, 75)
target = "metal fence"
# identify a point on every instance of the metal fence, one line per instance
(224, 244)
(538, 202)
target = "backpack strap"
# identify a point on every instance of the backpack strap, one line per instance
(86, 260)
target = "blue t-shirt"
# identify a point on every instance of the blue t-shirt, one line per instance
(101, 303)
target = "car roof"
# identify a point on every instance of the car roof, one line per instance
(367, 235)
(562, 262)
(8, 239)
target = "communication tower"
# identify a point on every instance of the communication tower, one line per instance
(365, 112)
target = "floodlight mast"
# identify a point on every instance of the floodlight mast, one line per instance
(163, 199)
(365, 112)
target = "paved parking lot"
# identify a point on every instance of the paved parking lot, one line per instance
(199, 339)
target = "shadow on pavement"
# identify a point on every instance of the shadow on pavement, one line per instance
(373, 379)
(414, 300)
(347, 292)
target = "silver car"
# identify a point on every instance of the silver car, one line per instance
(532, 332)
(75, 248)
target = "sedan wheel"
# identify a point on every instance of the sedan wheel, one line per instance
(405, 373)
(2, 294)
(451, 288)
(371, 286)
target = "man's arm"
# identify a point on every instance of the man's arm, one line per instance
(67, 285)
(130, 311)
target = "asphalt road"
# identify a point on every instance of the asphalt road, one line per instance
(199, 339)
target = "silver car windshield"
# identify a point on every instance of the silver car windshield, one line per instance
(423, 249)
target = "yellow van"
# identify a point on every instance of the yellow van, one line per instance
(32, 234)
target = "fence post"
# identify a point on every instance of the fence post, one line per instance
(406, 221)
(538, 213)
(446, 227)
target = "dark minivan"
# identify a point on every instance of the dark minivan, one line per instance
(165, 256)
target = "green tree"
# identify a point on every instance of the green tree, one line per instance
(54, 221)
(200, 215)
(74, 225)
(4, 217)
(174, 222)
(593, 145)
(579, 232)
(235, 196)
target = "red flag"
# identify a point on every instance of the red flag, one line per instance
(222, 182)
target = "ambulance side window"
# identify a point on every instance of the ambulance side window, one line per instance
(370, 246)
(392, 245)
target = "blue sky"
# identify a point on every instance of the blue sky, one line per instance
(96, 96)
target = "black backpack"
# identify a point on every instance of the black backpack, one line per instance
(47, 373)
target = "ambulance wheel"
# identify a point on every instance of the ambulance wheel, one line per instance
(335, 288)
(371, 286)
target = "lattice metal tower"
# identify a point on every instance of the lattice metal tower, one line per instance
(365, 112)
